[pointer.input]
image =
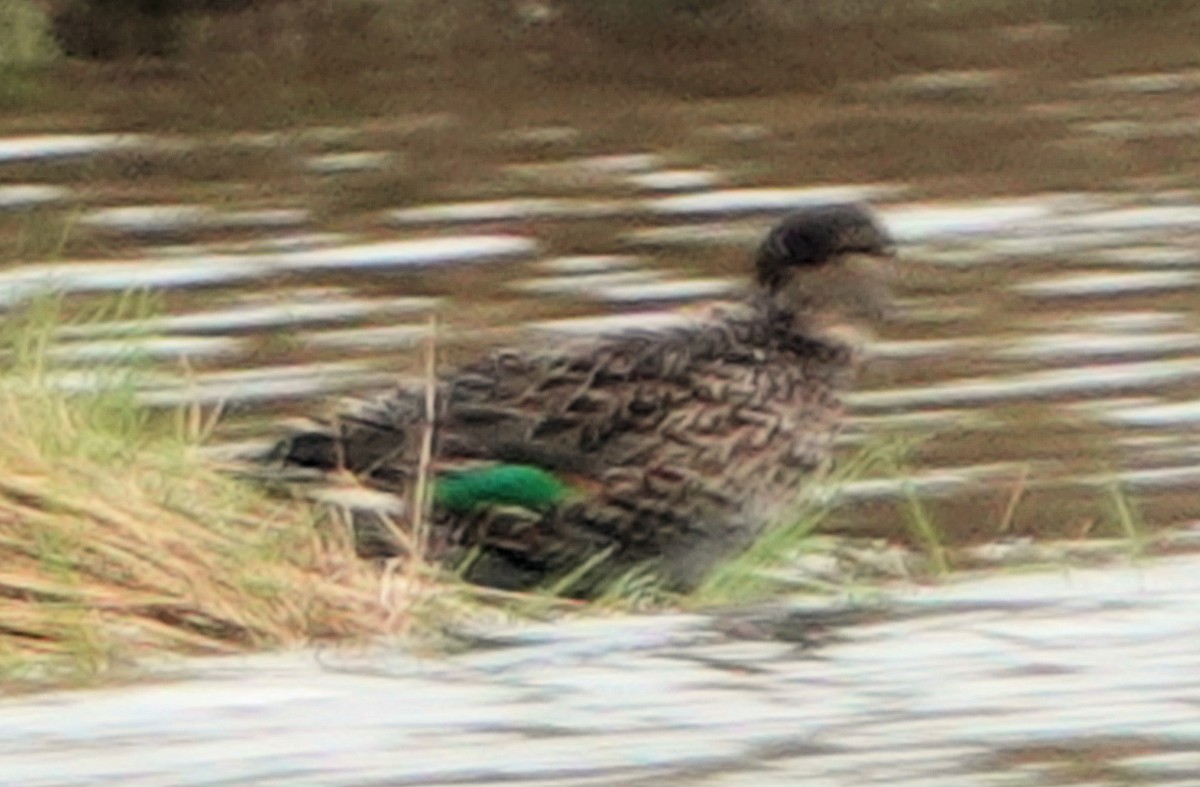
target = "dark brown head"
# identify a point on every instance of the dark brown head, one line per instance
(830, 269)
(815, 238)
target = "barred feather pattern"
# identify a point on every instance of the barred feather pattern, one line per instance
(684, 444)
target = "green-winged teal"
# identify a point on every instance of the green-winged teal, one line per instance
(675, 446)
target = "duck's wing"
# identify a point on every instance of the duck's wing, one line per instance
(551, 408)
(728, 382)
(695, 397)
(568, 410)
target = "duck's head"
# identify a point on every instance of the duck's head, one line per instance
(829, 264)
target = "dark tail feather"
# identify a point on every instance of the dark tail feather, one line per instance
(353, 444)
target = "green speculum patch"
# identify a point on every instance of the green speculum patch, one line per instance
(518, 485)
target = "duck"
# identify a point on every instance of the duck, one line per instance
(667, 450)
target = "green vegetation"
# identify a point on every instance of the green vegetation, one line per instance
(750, 575)
(1128, 520)
(25, 38)
(926, 531)
(26, 47)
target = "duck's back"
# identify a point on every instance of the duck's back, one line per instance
(679, 444)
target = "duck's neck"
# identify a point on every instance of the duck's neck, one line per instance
(791, 322)
(771, 306)
(779, 313)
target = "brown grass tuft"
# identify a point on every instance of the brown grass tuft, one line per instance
(118, 541)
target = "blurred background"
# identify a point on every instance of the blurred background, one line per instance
(293, 186)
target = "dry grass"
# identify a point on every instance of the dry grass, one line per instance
(120, 544)
(117, 541)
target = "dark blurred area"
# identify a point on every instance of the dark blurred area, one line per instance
(270, 62)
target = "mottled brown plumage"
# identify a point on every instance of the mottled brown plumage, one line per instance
(683, 444)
